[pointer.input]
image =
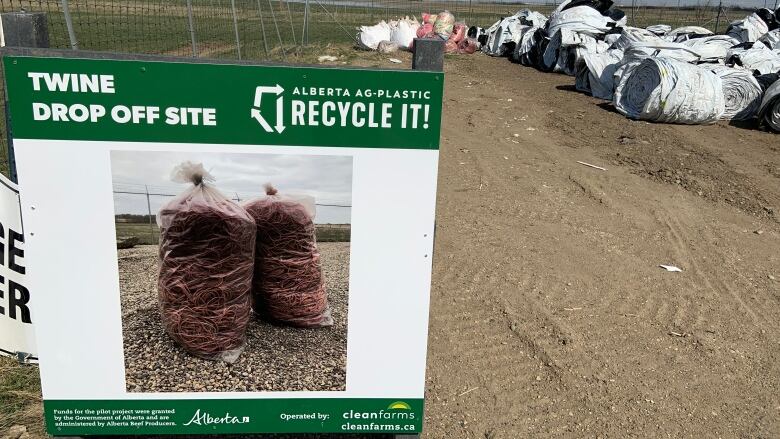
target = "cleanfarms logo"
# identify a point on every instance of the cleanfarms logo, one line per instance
(399, 405)
(205, 418)
(398, 410)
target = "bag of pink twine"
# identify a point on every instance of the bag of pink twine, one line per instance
(207, 247)
(288, 286)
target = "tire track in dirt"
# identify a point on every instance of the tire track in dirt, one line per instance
(548, 269)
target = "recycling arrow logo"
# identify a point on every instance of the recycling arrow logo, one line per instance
(279, 116)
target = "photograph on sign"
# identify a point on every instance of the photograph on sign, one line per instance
(281, 264)
(230, 248)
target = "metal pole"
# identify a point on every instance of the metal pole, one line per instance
(69, 24)
(717, 20)
(10, 139)
(305, 37)
(192, 29)
(278, 34)
(262, 28)
(149, 209)
(633, 9)
(292, 28)
(235, 27)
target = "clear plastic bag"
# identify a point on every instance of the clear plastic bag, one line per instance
(288, 285)
(207, 247)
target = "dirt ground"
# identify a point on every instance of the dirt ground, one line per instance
(275, 358)
(550, 315)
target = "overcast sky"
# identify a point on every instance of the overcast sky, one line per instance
(327, 178)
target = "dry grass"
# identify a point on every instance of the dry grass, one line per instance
(20, 397)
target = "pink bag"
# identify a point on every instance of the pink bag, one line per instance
(458, 32)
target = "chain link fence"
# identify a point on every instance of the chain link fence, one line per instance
(282, 30)
(140, 203)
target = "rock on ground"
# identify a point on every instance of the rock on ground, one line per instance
(276, 358)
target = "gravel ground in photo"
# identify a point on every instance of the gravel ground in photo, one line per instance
(276, 358)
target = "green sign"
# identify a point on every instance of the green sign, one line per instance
(360, 145)
(234, 416)
(78, 99)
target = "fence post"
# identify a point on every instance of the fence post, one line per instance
(305, 37)
(192, 29)
(262, 27)
(149, 209)
(292, 27)
(69, 24)
(717, 19)
(235, 27)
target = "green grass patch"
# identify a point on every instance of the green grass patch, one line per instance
(149, 234)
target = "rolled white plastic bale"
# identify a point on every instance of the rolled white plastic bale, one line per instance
(370, 36)
(666, 90)
(595, 73)
(741, 92)
(749, 29)
(659, 29)
(633, 35)
(685, 32)
(676, 51)
(571, 55)
(581, 19)
(549, 60)
(771, 39)
(758, 58)
(713, 48)
(769, 113)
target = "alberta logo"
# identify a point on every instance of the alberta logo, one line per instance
(205, 418)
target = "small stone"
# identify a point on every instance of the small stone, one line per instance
(16, 431)
(770, 277)
(759, 232)
(538, 378)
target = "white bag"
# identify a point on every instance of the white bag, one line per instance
(713, 48)
(404, 32)
(370, 36)
(748, 30)
(741, 91)
(769, 113)
(666, 90)
(595, 73)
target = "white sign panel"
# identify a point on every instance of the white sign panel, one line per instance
(16, 320)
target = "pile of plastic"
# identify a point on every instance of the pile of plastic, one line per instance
(685, 75)
(390, 36)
